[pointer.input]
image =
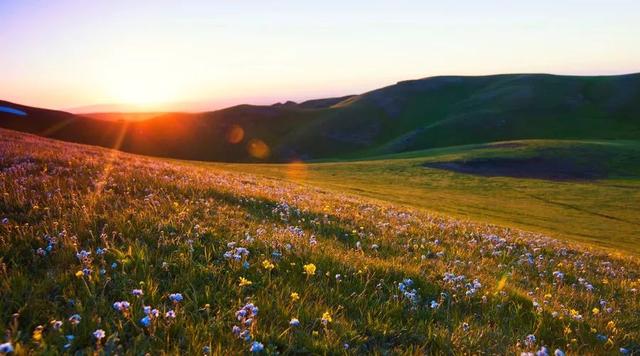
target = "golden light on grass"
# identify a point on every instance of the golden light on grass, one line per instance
(297, 170)
(258, 149)
(235, 134)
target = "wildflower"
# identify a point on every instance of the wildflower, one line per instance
(83, 255)
(137, 292)
(244, 282)
(175, 297)
(70, 339)
(434, 304)
(465, 326)
(56, 324)
(99, 334)
(79, 274)
(256, 347)
(170, 314)
(309, 269)
(294, 322)
(37, 333)
(530, 340)
(595, 311)
(146, 321)
(295, 296)
(6, 347)
(266, 264)
(206, 350)
(121, 306)
(544, 351)
(5, 221)
(326, 318)
(114, 265)
(558, 352)
(75, 319)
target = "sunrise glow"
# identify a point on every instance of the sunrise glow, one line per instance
(197, 55)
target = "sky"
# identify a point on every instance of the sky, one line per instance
(208, 54)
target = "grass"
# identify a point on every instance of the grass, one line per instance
(388, 278)
(600, 212)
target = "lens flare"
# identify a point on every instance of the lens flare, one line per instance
(258, 149)
(297, 170)
(235, 134)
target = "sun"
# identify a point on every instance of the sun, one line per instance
(141, 93)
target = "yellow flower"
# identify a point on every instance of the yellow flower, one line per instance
(326, 318)
(309, 269)
(573, 312)
(595, 311)
(79, 274)
(244, 282)
(611, 326)
(37, 333)
(295, 296)
(267, 265)
(547, 296)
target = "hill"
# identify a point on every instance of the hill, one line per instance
(581, 191)
(107, 252)
(410, 115)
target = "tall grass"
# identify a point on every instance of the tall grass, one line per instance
(84, 228)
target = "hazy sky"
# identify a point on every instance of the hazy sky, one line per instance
(207, 54)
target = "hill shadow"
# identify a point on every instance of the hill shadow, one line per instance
(548, 168)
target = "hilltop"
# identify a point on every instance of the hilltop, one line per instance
(408, 116)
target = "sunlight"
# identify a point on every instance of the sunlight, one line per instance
(141, 94)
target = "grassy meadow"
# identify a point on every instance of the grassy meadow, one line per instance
(601, 212)
(105, 252)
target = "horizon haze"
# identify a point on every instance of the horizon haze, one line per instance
(202, 55)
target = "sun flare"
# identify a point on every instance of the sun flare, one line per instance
(141, 94)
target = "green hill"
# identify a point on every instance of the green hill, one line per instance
(583, 191)
(410, 115)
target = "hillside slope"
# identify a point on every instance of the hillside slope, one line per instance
(410, 115)
(584, 191)
(106, 252)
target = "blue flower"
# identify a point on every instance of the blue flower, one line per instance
(176, 297)
(99, 334)
(294, 322)
(83, 254)
(75, 319)
(256, 347)
(6, 347)
(146, 321)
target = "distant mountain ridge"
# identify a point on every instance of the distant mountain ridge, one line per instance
(410, 115)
